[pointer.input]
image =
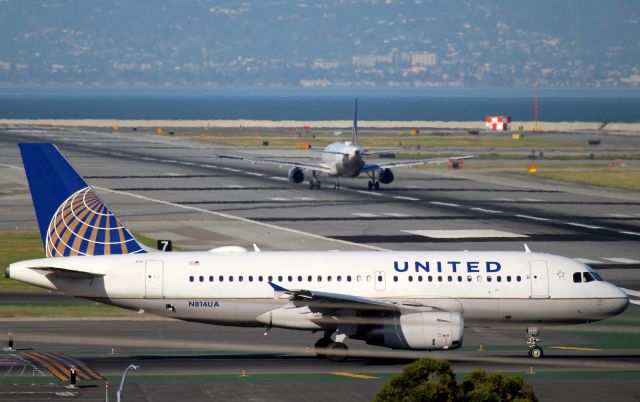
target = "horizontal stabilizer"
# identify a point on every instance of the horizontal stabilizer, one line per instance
(66, 273)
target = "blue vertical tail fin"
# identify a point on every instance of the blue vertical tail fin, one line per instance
(72, 219)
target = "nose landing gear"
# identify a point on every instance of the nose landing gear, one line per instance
(535, 351)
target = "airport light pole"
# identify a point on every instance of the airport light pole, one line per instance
(124, 376)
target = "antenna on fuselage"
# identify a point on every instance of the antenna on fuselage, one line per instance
(354, 129)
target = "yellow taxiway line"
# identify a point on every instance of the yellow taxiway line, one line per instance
(573, 348)
(354, 375)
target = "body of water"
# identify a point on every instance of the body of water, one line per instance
(398, 105)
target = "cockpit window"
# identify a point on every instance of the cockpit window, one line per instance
(598, 277)
(587, 277)
(577, 277)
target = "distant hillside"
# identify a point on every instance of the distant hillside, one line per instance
(420, 43)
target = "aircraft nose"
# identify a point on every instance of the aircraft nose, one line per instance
(621, 301)
(7, 271)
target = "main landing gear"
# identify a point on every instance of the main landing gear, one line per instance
(334, 351)
(373, 183)
(314, 182)
(535, 351)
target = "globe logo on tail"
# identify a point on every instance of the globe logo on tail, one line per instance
(84, 225)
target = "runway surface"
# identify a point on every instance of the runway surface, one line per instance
(176, 188)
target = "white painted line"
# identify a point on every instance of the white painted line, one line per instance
(631, 292)
(148, 159)
(231, 169)
(172, 174)
(535, 218)
(447, 204)
(186, 163)
(588, 261)
(629, 233)
(254, 173)
(636, 302)
(306, 199)
(491, 211)
(395, 214)
(463, 233)
(531, 199)
(279, 199)
(279, 178)
(368, 192)
(364, 214)
(582, 225)
(504, 199)
(620, 215)
(234, 186)
(401, 197)
(621, 260)
(209, 166)
(168, 160)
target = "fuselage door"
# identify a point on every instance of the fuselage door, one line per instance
(154, 279)
(539, 279)
(381, 283)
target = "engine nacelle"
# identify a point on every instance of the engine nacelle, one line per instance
(296, 175)
(435, 330)
(386, 176)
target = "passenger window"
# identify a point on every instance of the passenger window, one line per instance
(191, 278)
(211, 279)
(499, 278)
(359, 278)
(299, 278)
(279, 278)
(488, 278)
(577, 278)
(290, 278)
(319, 278)
(329, 278)
(439, 278)
(410, 278)
(469, 278)
(250, 278)
(348, 278)
(339, 278)
(586, 277)
(221, 278)
(395, 278)
(518, 278)
(430, 278)
(379, 278)
(240, 279)
(450, 278)
(310, 278)
(419, 278)
(231, 279)
(201, 278)
(270, 278)
(459, 278)
(508, 278)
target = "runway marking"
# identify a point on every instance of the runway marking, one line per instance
(491, 211)
(535, 218)
(463, 233)
(279, 199)
(255, 174)
(306, 199)
(148, 159)
(401, 197)
(230, 169)
(636, 302)
(504, 199)
(395, 214)
(582, 225)
(575, 348)
(446, 204)
(209, 166)
(167, 160)
(629, 233)
(621, 260)
(530, 199)
(368, 192)
(234, 186)
(364, 214)
(620, 216)
(587, 261)
(354, 375)
(631, 292)
(187, 163)
(279, 178)
(173, 174)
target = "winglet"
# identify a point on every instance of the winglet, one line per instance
(354, 129)
(277, 287)
(526, 248)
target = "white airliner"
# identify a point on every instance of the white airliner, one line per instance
(345, 159)
(417, 300)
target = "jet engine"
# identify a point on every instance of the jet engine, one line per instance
(386, 176)
(434, 330)
(296, 175)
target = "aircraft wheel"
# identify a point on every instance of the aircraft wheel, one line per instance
(536, 352)
(321, 346)
(337, 352)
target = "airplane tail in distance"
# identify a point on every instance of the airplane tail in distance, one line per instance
(73, 220)
(354, 129)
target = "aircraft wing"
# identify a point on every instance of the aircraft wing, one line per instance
(317, 301)
(412, 162)
(305, 165)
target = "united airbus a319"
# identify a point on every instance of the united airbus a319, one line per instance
(345, 159)
(413, 300)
